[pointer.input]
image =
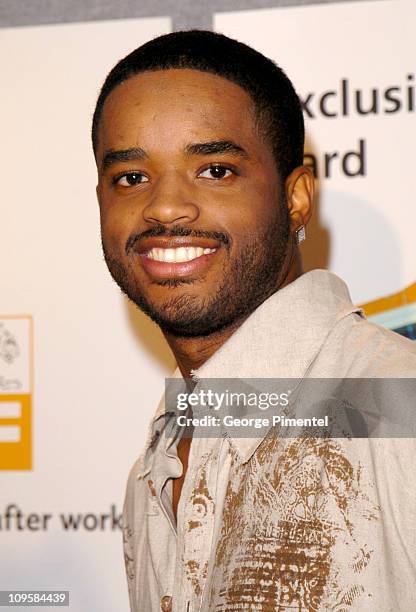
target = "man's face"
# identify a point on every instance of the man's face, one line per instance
(194, 228)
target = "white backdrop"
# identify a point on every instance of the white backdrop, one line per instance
(98, 364)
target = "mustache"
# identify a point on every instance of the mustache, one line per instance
(176, 230)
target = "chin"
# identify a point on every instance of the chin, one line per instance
(196, 329)
(185, 316)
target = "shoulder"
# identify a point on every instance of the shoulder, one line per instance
(368, 350)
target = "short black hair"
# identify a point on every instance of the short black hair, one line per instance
(277, 105)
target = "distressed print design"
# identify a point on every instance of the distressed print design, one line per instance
(199, 523)
(128, 555)
(287, 538)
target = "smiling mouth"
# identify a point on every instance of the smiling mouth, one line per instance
(178, 255)
(163, 260)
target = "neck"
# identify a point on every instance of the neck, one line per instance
(192, 353)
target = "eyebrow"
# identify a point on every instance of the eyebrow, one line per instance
(216, 146)
(199, 148)
(134, 154)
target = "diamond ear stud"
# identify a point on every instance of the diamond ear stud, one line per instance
(300, 234)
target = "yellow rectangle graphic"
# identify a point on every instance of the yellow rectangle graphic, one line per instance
(16, 455)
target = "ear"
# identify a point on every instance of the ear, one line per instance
(300, 189)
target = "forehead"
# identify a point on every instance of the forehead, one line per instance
(175, 103)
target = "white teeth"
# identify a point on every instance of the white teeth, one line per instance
(192, 253)
(178, 255)
(181, 254)
(169, 255)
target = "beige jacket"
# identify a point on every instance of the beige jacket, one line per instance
(275, 524)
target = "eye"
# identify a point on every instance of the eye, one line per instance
(130, 179)
(216, 171)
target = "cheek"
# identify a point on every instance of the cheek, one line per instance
(118, 222)
(251, 216)
(114, 231)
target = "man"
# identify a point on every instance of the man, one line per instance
(204, 198)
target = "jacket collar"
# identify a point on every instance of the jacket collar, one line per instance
(284, 335)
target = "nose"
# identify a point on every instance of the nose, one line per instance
(172, 201)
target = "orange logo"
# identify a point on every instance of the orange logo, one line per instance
(16, 386)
